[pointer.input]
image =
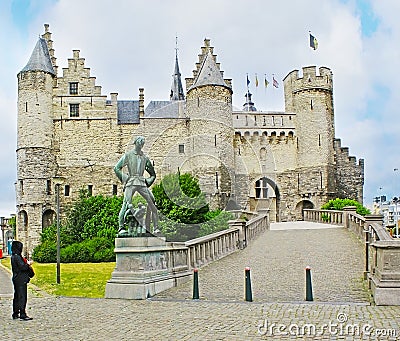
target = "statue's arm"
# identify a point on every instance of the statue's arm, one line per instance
(118, 167)
(152, 173)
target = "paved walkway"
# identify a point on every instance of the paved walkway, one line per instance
(278, 309)
(277, 261)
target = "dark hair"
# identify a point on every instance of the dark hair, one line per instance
(16, 247)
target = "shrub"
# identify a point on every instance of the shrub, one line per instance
(217, 221)
(339, 204)
(46, 252)
(98, 249)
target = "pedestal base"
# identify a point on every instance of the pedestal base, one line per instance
(146, 266)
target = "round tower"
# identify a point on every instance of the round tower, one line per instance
(209, 108)
(35, 160)
(310, 98)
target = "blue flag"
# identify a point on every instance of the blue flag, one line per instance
(248, 81)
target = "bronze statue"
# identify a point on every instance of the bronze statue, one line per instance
(134, 218)
(137, 163)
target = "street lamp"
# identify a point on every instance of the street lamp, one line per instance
(58, 181)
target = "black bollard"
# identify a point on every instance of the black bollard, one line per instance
(249, 296)
(309, 295)
(195, 284)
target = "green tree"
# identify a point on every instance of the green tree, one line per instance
(184, 211)
(13, 224)
(180, 199)
(338, 204)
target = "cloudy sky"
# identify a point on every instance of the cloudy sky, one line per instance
(130, 44)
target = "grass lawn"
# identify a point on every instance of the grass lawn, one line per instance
(77, 279)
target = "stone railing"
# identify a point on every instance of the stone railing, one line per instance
(382, 252)
(204, 250)
(324, 216)
(212, 247)
(148, 265)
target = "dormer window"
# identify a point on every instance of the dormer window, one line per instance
(73, 88)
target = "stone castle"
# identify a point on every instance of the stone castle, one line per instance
(70, 136)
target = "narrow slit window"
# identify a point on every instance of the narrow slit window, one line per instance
(66, 190)
(48, 186)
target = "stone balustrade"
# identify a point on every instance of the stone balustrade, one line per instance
(382, 251)
(324, 216)
(146, 266)
(214, 246)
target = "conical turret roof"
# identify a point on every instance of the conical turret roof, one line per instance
(40, 59)
(209, 73)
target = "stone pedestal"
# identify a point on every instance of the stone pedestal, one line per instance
(146, 266)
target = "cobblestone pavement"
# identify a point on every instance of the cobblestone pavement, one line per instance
(221, 313)
(277, 261)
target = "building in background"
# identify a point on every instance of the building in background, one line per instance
(71, 134)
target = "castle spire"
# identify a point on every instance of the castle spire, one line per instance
(249, 105)
(40, 59)
(176, 88)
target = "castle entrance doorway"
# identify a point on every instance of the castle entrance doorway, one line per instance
(304, 204)
(267, 197)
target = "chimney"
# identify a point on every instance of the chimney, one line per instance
(114, 96)
(141, 102)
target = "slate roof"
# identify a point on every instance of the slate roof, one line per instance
(177, 88)
(128, 112)
(209, 73)
(163, 109)
(40, 59)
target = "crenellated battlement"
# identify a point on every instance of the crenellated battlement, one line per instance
(309, 80)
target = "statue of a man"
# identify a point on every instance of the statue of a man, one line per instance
(134, 181)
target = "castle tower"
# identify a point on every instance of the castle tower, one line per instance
(311, 98)
(35, 160)
(176, 88)
(209, 108)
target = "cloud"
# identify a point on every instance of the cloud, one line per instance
(130, 44)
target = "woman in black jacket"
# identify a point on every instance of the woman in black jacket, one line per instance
(20, 268)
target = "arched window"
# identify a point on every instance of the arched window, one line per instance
(48, 218)
(23, 219)
(261, 188)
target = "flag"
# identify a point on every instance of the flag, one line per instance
(265, 81)
(256, 81)
(248, 81)
(275, 82)
(313, 42)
